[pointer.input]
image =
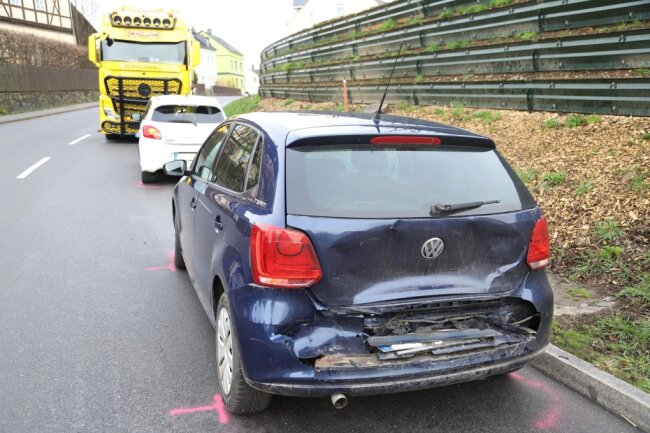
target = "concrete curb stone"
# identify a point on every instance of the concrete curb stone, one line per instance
(42, 113)
(610, 392)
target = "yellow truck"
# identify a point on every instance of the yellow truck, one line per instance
(140, 54)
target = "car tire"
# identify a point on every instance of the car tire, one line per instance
(149, 177)
(239, 397)
(179, 262)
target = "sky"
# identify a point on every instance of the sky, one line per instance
(248, 25)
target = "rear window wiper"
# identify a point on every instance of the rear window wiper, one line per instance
(441, 208)
(182, 121)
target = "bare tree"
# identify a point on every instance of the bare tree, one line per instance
(88, 8)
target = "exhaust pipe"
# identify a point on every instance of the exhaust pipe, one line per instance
(339, 400)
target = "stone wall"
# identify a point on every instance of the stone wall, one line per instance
(19, 102)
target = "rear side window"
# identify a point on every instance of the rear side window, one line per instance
(208, 153)
(365, 182)
(233, 161)
(187, 114)
(254, 171)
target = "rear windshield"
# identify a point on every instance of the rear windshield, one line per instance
(187, 114)
(360, 182)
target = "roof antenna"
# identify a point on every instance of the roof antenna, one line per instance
(381, 103)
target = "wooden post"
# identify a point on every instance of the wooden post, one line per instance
(345, 96)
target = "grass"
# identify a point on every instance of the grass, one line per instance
(608, 231)
(583, 188)
(500, 3)
(458, 111)
(552, 124)
(645, 136)
(572, 121)
(642, 72)
(386, 25)
(527, 36)
(445, 14)
(242, 105)
(553, 178)
(415, 21)
(432, 48)
(289, 102)
(454, 45)
(486, 117)
(404, 106)
(579, 292)
(614, 343)
(527, 175)
(419, 78)
(638, 294)
(603, 263)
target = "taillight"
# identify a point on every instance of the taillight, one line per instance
(151, 132)
(405, 139)
(283, 258)
(539, 250)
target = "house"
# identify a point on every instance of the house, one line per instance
(252, 78)
(311, 12)
(206, 72)
(45, 18)
(230, 62)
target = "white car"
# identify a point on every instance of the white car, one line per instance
(174, 127)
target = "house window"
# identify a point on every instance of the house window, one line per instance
(339, 10)
(39, 4)
(16, 2)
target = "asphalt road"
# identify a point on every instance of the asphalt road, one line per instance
(99, 333)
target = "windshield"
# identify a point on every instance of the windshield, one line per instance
(187, 114)
(143, 52)
(365, 182)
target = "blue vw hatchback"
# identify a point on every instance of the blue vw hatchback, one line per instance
(352, 254)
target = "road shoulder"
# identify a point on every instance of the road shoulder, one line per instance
(610, 392)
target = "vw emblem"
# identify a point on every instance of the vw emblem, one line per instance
(432, 248)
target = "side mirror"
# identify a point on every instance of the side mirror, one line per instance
(136, 116)
(175, 168)
(196, 54)
(92, 49)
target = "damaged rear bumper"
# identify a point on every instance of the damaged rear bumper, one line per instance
(395, 384)
(292, 346)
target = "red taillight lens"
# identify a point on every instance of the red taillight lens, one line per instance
(283, 258)
(151, 132)
(539, 250)
(405, 139)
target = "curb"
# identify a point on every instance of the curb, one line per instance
(42, 113)
(610, 392)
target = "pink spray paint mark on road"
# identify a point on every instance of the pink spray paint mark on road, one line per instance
(550, 416)
(217, 406)
(169, 266)
(141, 185)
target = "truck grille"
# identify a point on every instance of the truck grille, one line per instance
(140, 88)
(131, 95)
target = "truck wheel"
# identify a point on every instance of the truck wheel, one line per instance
(238, 396)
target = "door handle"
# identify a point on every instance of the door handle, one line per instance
(193, 203)
(218, 226)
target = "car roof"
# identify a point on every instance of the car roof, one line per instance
(300, 125)
(185, 100)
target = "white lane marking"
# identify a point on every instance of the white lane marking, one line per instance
(27, 172)
(72, 143)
